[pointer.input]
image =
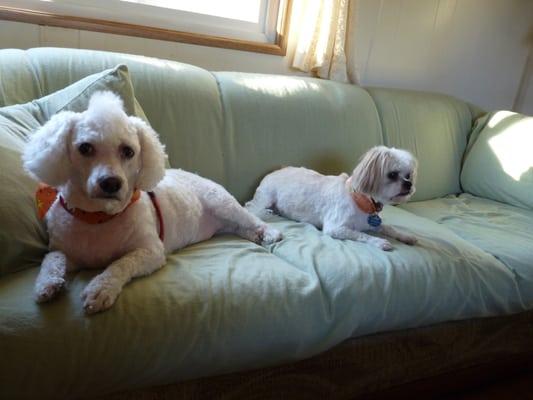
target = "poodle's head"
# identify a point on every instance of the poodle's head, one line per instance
(387, 174)
(96, 158)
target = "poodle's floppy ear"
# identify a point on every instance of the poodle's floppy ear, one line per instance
(367, 175)
(46, 154)
(152, 155)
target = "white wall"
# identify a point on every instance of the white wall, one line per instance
(524, 97)
(476, 50)
(473, 49)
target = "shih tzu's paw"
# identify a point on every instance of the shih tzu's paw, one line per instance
(48, 289)
(408, 239)
(383, 244)
(99, 295)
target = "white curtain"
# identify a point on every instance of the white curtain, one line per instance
(321, 46)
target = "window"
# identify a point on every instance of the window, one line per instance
(257, 25)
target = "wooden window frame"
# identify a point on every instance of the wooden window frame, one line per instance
(279, 47)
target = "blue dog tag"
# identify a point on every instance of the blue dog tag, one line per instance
(374, 220)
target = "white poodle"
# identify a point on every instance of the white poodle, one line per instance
(343, 206)
(102, 163)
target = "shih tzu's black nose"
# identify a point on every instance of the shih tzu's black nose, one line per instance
(407, 185)
(110, 184)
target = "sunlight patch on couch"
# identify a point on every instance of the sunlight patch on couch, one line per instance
(513, 147)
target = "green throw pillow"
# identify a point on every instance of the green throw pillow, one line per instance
(23, 238)
(498, 164)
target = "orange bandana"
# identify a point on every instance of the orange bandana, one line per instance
(46, 195)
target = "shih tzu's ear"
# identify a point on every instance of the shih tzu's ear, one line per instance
(414, 173)
(45, 156)
(410, 159)
(368, 174)
(152, 155)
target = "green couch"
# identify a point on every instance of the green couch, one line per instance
(229, 318)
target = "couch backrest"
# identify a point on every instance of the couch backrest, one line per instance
(181, 101)
(273, 121)
(235, 127)
(434, 128)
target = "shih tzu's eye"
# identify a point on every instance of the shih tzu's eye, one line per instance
(127, 152)
(408, 177)
(393, 175)
(86, 149)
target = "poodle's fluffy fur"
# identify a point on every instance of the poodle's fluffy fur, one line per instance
(76, 153)
(386, 175)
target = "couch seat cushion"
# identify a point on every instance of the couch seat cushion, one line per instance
(218, 306)
(227, 304)
(499, 229)
(367, 290)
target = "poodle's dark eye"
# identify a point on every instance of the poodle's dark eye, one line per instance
(127, 152)
(408, 177)
(393, 175)
(86, 149)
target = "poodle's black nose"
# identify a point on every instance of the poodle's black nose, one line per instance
(110, 184)
(407, 185)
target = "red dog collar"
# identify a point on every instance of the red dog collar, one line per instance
(46, 195)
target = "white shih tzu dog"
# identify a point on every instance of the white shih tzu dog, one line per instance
(343, 206)
(109, 203)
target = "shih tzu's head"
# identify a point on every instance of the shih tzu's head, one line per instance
(387, 174)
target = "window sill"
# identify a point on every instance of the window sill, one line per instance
(43, 18)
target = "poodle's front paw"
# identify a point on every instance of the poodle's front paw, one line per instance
(270, 235)
(383, 244)
(48, 289)
(99, 295)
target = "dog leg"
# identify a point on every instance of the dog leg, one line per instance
(51, 278)
(395, 234)
(101, 293)
(262, 203)
(341, 232)
(238, 220)
(250, 227)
